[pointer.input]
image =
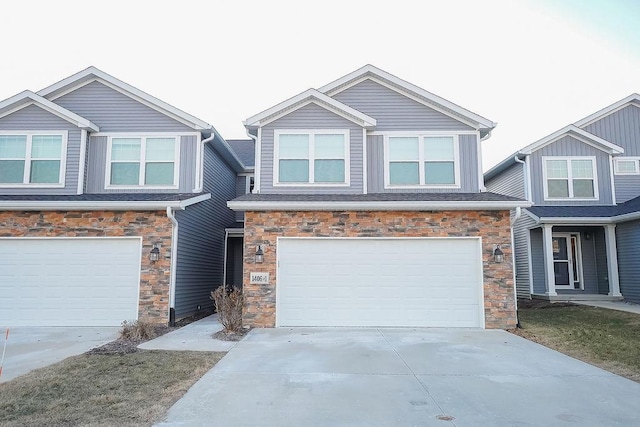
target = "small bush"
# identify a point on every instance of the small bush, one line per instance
(228, 303)
(138, 330)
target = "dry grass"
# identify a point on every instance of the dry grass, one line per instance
(133, 389)
(606, 338)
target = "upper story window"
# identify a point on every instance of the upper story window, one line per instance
(319, 157)
(32, 159)
(142, 161)
(570, 178)
(422, 160)
(626, 166)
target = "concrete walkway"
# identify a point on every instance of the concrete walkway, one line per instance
(612, 305)
(196, 336)
(402, 377)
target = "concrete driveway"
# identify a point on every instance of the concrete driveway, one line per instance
(29, 348)
(403, 377)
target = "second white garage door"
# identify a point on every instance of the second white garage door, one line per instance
(69, 281)
(432, 282)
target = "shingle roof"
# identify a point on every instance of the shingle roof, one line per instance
(630, 206)
(107, 197)
(245, 150)
(379, 197)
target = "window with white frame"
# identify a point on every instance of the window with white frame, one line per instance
(142, 161)
(626, 166)
(570, 178)
(32, 159)
(422, 160)
(312, 157)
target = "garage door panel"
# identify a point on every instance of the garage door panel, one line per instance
(379, 282)
(68, 282)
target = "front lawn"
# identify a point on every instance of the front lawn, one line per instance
(606, 338)
(132, 389)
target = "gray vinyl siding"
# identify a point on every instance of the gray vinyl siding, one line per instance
(510, 182)
(97, 163)
(600, 245)
(521, 252)
(311, 116)
(622, 128)
(627, 187)
(34, 118)
(201, 232)
(569, 147)
(628, 235)
(468, 147)
(113, 111)
(537, 261)
(241, 190)
(394, 111)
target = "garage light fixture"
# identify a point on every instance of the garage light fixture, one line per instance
(154, 255)
(498, 255)
(259, 255)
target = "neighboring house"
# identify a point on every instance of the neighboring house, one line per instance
(98, 180)
(369, 210)
(581, 237)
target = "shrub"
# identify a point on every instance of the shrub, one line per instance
(228, 303)
(138, 330)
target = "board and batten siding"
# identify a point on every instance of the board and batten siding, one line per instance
(34, 118)
(311, 116)
(113, 111)
(628, 242)
(622, 128)
(521, 252)
(468, 149)
(509, 182)
(570, 147)
(97, 163)
(394, 111)
(201, 230)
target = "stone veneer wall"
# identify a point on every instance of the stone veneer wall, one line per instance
(263, 228)
(153, 226)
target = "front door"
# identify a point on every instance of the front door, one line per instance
(566, 261)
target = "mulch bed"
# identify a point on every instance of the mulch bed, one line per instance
(230, 336)
(542, 304)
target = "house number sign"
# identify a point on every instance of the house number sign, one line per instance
(258, 278)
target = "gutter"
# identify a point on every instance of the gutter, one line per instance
(256, 167)
(373, 206)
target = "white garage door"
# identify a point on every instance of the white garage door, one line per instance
(69, 281)
(379, 282)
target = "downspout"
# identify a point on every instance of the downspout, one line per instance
(174, 262)
(200, 177)
(513, 240)
(224, 266)
(256, 174)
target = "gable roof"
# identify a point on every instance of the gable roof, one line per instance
(27, 98)
(633, 99)
(303, 99)
(577, 133)
(92, 74)
(427, 98)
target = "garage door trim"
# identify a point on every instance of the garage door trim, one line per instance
(480, 268)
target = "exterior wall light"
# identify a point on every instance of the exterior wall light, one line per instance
(154, 255)
(259, 255)
(498, 255)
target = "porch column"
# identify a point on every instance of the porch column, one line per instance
(547, 243)
(612, 259)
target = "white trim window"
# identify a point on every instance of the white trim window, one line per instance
(626, 166)
(311, 157)
(142, 161)
(422, 161)
(570, 178)
(33, 159)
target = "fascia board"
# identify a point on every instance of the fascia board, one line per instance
(37, 205)
(373, 206)
(589, 139)
(634, 98)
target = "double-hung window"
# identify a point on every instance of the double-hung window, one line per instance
(570, 178)
(142, 162)
(33, 159)
(422, 160)
(312, 157)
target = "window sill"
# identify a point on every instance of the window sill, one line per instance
(424, 187)
(311, 185)
(32, 185)
(140, 187)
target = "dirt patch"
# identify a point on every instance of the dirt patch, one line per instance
(230, 336)
(541, 304)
